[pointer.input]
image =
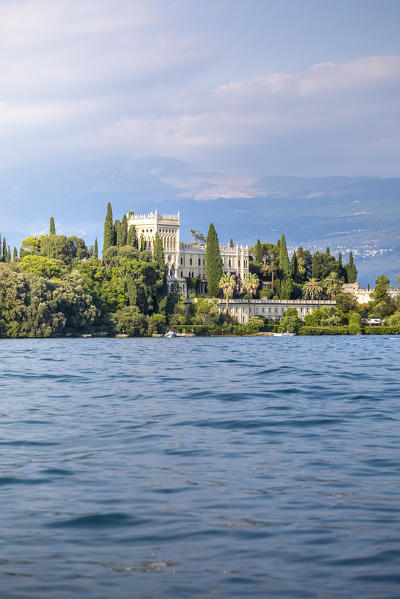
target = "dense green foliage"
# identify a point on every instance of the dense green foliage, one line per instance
(59, 286)
(213, 262)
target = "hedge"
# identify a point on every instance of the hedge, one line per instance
(382, 330)
(323, 331)
(230, 329)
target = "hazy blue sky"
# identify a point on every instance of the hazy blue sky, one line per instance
(286, 87)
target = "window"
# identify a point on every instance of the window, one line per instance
(190, 262)
(199, 261)
(230, 263)
(181, 260)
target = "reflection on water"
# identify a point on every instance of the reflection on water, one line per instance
(239, 467)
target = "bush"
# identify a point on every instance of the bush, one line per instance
(255, 324)
(129, 320)
(266, 293)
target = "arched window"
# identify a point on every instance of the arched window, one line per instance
(199, 261)
(190, 262)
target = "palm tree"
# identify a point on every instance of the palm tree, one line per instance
(272, 269)
(227, 283)
(332, 284)
(312, 289)
(250, 285)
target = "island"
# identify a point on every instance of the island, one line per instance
(148, 281)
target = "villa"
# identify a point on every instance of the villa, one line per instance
(185, 260)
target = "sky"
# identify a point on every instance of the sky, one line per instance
(255, 87)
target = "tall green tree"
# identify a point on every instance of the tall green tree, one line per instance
(351, 270)
(213, 262)
(272, 269)
(124, 230)
(284, 258)
(118, 233)
(109, 233)
(231, 243)
(332, 285)
(4, 252)
(312, 289)
(380, 293)
(15, 254)
(52, 229)
(8, 254)
(227, 283)
(158, 253)
(258, 252)
(131, 237)
(250, 285)
(294, 267)
(96, 249)
(286, 288)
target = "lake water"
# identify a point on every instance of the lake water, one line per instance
(200, 468)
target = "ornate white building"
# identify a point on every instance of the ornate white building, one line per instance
(364, 296)
(184, 260)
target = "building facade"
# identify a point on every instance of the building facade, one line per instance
(364, 296)
(184, 260)
(268, 308)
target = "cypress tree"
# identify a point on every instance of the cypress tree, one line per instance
(158, 253)
(328, 251)
(231, 243)
(286, 288)
(259, 252)
(213, 262)
(52, 226)
(15, 254)
(142, 243)
(351, 270)
(283, 257)
(118, 233)
(124, 230)
(96, 248)
(294, 268)
(8, 254)
(131, 237)
(4, 254)
(109, 233)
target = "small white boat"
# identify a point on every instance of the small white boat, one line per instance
(170, 334)
(284, 334)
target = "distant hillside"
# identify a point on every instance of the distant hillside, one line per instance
(359, 213)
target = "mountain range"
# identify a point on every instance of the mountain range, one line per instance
(347, 213)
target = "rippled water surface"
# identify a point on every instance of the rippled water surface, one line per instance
(204, 468)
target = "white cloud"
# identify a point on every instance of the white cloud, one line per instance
(97, 79)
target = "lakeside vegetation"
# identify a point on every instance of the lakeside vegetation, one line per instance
(56, 285)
